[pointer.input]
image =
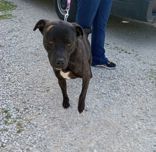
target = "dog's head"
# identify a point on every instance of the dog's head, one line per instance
(59, 39)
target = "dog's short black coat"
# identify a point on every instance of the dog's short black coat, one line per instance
(69, 54)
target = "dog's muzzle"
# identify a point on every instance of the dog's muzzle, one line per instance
(60, 64)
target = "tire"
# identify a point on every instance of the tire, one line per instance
(60, 6)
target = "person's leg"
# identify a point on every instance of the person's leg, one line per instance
(98, 32)
(86, 12)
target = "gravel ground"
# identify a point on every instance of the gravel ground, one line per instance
(120, 114)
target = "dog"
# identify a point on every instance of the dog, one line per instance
(69, 54)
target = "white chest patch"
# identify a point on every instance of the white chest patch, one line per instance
(65, 75)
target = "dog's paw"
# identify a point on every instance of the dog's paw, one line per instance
(66, 104)
(80, 108)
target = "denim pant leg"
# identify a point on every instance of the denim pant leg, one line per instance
(95, 13)
(86, 12)
(98, 32)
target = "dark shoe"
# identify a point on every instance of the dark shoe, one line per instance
(109, 65)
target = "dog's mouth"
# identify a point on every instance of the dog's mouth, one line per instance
(58, 69)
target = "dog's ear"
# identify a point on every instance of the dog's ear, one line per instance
(78, 29)
(41, 25)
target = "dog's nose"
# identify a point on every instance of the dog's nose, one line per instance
(60, 63)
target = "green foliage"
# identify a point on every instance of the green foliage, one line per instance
(5, 9)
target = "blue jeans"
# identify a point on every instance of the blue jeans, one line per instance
(94, 14)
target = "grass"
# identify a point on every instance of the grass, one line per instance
(5, 9)
(9, 120)
(152, 76)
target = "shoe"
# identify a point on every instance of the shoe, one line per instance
(109, 65)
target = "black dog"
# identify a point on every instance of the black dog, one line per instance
(69, 54)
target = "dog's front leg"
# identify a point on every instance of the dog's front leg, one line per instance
(63, 86)
(81, 104)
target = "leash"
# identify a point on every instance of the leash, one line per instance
(67, 10)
